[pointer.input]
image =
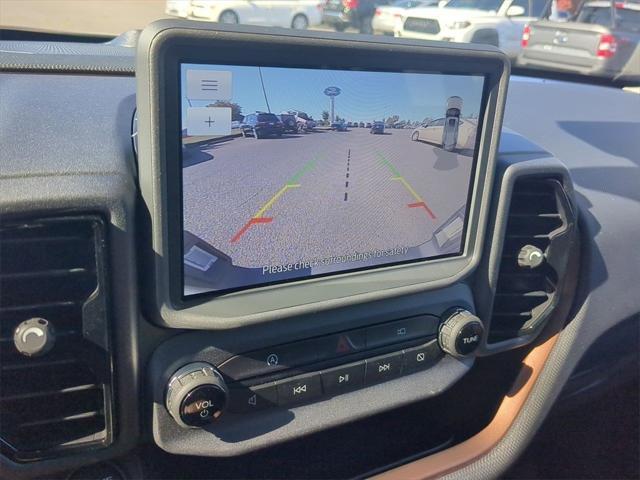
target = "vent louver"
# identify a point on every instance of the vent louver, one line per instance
(60, 401)
(540, 217)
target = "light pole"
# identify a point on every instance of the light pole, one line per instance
(332, 100)
(266, 100)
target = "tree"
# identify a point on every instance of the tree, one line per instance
(392, 120)
(325, 116)
(339, 119)
(236, 110)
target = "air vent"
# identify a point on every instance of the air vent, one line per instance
(59, 401)
(539, 221)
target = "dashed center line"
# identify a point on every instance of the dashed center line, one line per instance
(346, 183)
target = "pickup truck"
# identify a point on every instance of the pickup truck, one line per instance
(494, 22)
(603, 40)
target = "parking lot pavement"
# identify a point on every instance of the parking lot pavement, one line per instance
(311, 196)
(101, 17)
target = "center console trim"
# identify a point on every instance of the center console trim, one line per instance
(465, 453)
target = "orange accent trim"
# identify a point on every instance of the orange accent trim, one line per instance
(470, 450)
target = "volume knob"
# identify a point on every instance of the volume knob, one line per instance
(196, 395)
(460, 333)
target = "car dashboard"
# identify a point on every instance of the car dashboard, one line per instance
(77, 248)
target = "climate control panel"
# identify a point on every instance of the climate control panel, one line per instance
(329, 347)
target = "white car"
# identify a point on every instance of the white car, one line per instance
(433, 132)
(386, 16)
(298, 14)
(304, 122)
(178, 8)
(494, 22)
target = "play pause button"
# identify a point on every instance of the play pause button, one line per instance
(343, 378)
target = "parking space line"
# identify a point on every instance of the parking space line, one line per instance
(268, 205)
(422, 205)
(388, 164)
(408, 187)
(258, 218)
(248, 225)
(419, 203)
(308, 166)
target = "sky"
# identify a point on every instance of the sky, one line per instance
(365, 96)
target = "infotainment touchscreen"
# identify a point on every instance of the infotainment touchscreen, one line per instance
(289, 173)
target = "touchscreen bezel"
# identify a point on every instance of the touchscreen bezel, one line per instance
(166, 45)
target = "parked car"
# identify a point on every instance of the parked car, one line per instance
(602, 41)
(262, 125)
(361, 125)
(368, 124)
(377, 128)
(339, 126)
(178, 8)
(289, 122)
(297, 14)
(358, 14)
(386, 16)
(433, 132)
(305, 122)
(494, 22)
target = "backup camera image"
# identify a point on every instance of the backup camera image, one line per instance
(292, 173)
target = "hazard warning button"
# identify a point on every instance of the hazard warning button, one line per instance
(342, 344)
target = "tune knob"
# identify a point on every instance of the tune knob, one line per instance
(196, 395)
(460, 332)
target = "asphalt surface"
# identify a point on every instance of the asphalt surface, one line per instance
(312, 196)
(97, 17)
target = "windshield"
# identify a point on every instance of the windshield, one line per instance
(625, 19)
(267, 117)
(488, 5)
(533, 46)
(411, 3)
